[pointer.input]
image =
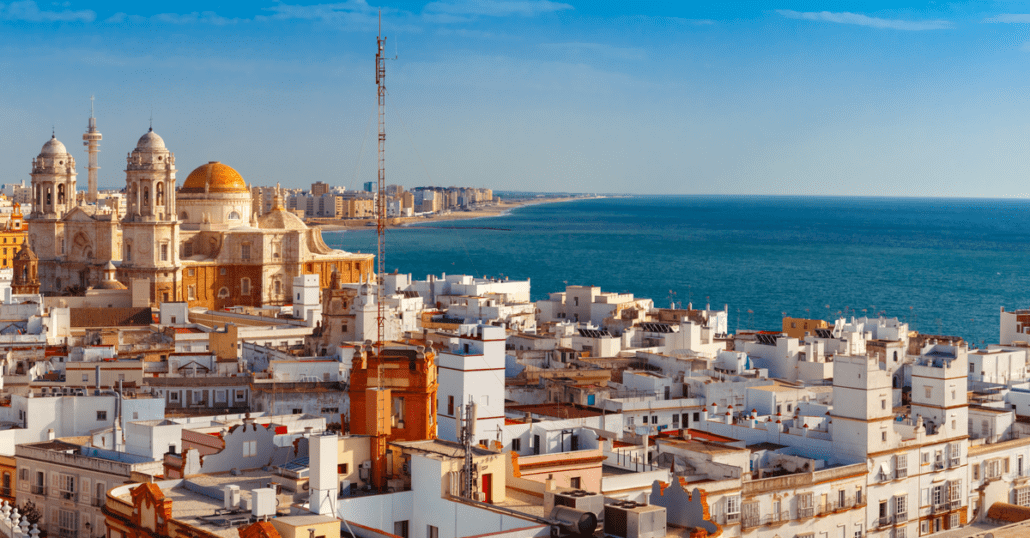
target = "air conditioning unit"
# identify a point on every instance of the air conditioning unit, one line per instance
(587, 501)
(263, 502)
(628, 519)
(232, 497)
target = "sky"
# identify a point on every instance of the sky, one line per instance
(782, 98)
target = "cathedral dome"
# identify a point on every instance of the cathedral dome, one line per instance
(214, 177)
(150, 140)
(53, 147)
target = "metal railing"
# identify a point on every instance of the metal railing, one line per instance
(884, 521)
(755, 521)
(38, 489)
(733, 518)
(834, 506)
(806, 512)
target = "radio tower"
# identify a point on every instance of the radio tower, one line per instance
(381, 199)
(91, 139)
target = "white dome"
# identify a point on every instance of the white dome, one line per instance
(53, 147)
(150, 141)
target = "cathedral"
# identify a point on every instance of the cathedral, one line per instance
(204, 243)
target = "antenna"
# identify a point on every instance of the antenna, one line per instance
(381, 200)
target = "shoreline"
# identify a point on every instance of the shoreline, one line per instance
(494, 210)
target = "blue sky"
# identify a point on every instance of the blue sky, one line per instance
(851, 98)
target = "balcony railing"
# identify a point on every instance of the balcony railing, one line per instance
(952, 505)
(97, 501)
(748, 522)
(68, 495)
(901, 517)
(806, 512)
(38, 489)
(884, 521)
(733, 518)
(6, 492)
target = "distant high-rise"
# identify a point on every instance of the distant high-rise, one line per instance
(91, 139)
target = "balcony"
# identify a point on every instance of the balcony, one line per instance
(804, 513)
(900, 473)
(97, 501)
(749, 522)
(901, 517)
(954, 505)
(884, 521)
(6, 492)
(732, 518)
(38, 489)
(836, 506)
(68, 495)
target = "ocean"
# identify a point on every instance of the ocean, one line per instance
(946, 266)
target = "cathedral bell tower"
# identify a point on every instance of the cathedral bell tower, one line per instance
(53, 181)
(150, 235)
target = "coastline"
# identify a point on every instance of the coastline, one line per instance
(493, 210)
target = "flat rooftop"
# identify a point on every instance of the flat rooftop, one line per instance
(556, 410)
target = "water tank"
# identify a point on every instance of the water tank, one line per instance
(573, 521)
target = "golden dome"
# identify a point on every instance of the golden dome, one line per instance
(214, 177)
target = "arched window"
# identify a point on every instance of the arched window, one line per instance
(184, 216)
(277, 287)
(128, 251)
(223, 293)
(58, 284)
(146, 195)
(234, 216)
(245, 286)
(60, 194)
(49, 197)
(159, 195)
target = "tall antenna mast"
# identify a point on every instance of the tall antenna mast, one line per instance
(381, 200)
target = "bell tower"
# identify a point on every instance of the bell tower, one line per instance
(26, 271)
(53, 181)
(91, 139)
(150, 232)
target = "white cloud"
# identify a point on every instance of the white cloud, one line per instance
(578, 49)
(28, 11)
(495, 8)
(865, 20)
(207, 17)
(1011, 18)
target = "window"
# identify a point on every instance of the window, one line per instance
(245, 286)
(101, 415)
(516, 444)
(574, 482)
(241, 395)
(675, 421)
(971, 368)
(1023, 496)
(899, 532)
(245, 251)
(191, 292)
(883, 404)
(234, 215)
(198, 395)
(938, 495)
(901, 465)
(128, 251)
(883, 436)
(976, 472)
(924, 527)
(993, 469)
(926, 458)
(929, 391)
(85, 378)
(342, 468)
(164, 252)
(221, 271)
(223, 293)
(654, 419)
(732, 508)
(924, 497)
(697, 417)
(249, 449)
(450, 405)
(901, 505)
(173, 396)
(432, 532)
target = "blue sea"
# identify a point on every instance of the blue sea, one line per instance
(944, 265)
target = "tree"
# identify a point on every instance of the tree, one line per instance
(30, 512)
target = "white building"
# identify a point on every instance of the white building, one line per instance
(472, 370)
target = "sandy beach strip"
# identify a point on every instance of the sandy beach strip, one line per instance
(493, 210)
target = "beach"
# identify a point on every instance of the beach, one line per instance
(490, 210)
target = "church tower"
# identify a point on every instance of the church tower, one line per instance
(53, 181)
(91, 139)
(150, 232)
(26, 271)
